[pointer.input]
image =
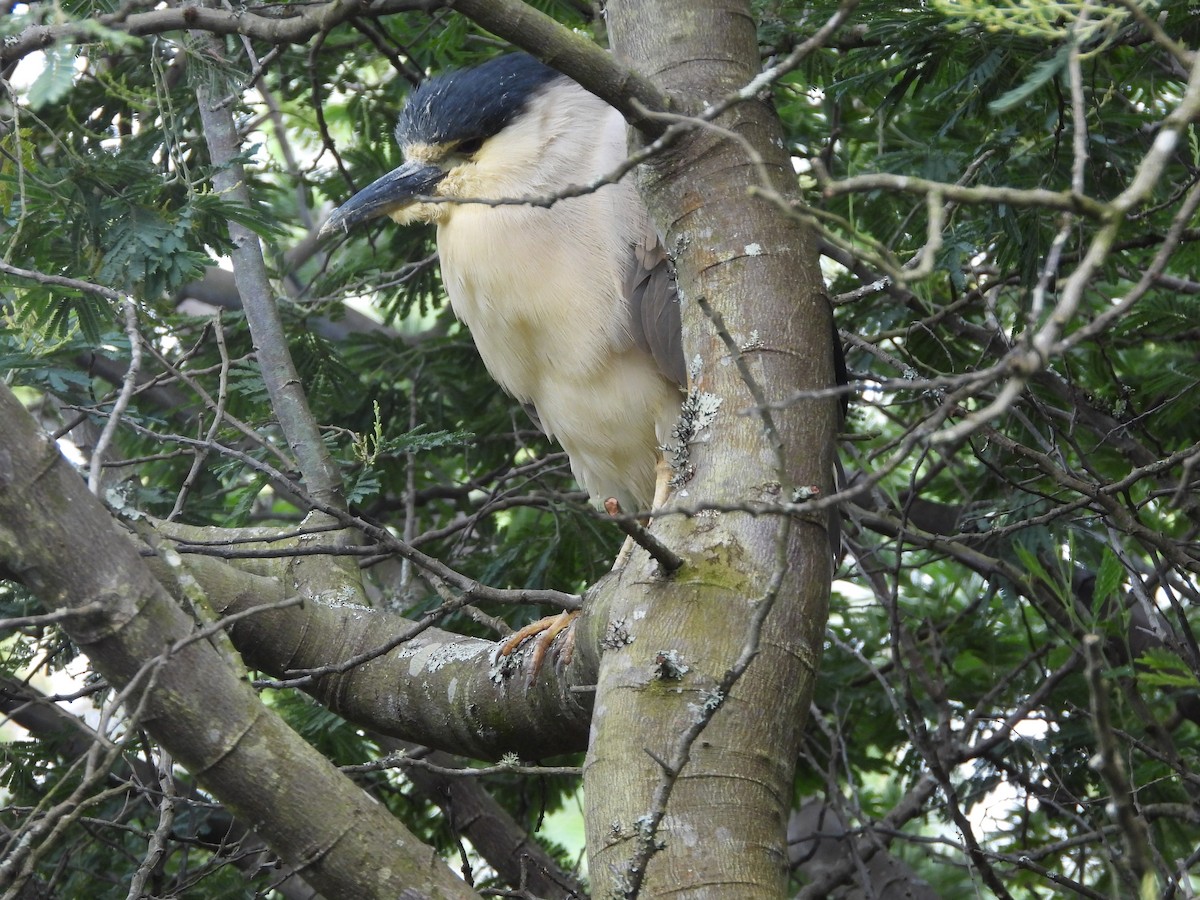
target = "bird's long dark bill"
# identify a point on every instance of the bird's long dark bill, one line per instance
(395, 189)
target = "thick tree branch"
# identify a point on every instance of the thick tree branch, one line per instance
(472, 811)
(72, 738)
(285, 24)
(380, 670)
(65, 546)
(558, 46)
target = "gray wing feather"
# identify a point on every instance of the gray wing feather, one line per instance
(654, 308)
(654, 318)
(653, 312)
(531, 411)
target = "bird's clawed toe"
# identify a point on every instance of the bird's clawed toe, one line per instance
(543, 632)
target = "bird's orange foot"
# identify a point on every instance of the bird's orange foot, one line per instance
(543, 632)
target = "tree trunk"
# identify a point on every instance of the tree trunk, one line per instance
(707, 676)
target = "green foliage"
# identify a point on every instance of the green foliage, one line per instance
(982, 97)
(56, 78)
(1166, 669)
(147, 252)
(1049, 20)
(977, 564)
(1039, 75)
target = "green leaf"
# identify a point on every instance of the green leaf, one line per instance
(56, 78)
(364, 486)
(1163, 668)
(245, 497)
(1108, 579)
(1033, 564)
(1038, 76)
(418, 440)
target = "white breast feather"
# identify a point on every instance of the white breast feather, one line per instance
(564, 344)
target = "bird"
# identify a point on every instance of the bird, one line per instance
(570, 300)
(568, 294)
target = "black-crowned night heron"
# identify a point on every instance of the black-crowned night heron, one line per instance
(572, 305)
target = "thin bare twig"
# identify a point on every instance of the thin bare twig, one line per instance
(96, 466)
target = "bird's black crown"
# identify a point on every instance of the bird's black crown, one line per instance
(472, 104)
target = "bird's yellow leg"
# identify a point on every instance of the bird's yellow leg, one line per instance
(662, 483)
(662, 489)
(545, 631)
(613, 508)
(625, 553)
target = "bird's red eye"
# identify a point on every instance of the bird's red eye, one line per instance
(470, 146)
